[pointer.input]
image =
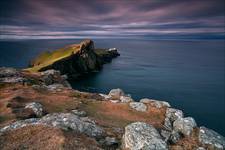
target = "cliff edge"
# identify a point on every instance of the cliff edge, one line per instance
(74, 60)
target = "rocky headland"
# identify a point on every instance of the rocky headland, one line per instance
(40, 110)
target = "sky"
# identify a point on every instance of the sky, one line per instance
(129, 19)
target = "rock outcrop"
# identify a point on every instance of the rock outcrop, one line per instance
(211, 138)
(73, 60)
(142, 136)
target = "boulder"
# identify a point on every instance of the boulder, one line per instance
(211, 138)
(36, 107)
(142, 136)
(138, 106)
(116, 93)
(173, 114)
(65, 121)
(126, 99)
(155, 103)
(174, 137)
(184, 125)
(73, 122)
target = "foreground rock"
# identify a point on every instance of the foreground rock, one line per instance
(116, 93)
(211, 138)
(155, 103)
(142, 136)
(37, 108)
(66, 121)
(184, 125)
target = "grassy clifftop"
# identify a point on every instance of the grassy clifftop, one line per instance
(48, 58)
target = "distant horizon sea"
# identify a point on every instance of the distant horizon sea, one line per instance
(189, 74)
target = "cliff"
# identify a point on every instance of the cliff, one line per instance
(39, 110)
(74, 60)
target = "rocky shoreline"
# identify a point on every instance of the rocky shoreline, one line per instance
(174, 132)
(40, 110)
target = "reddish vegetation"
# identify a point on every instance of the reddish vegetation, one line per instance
(45, 138)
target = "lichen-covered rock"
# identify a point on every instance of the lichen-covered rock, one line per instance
(13, 79)
(64, 121)
(105, 97)
(155, 103)
(116, 93)
(126, 99)
(36, 107)
(211, 138)
(173, 114)
(138, 106)
(142, 136)
(71, 121)
(19, 124)
(184, 125)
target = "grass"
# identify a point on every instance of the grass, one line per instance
(48, 58)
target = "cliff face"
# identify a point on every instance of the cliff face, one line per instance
(75, 59)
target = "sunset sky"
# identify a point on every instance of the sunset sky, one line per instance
(144, 19)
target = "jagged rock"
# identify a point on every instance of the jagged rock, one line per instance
(155, 103)
(36, 107)
(61, 120)
(184, 125)
(142, 136)
(165, 134)
(126, 99)
(138, 106)
(174, 137)
(8, 72)
(173, 114)
(116, 93)
(168, 124)
(211, 138)
(79, 113)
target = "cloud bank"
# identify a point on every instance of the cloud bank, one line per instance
(58, 19)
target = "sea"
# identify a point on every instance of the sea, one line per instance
(189, 74)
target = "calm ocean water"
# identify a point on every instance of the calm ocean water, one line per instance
(188, 74)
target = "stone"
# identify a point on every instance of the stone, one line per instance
(116, 93)
(174, 137)
(212, 138)
(36, 107)
(126, 99)
(142, 136)
(50, 72)
(168, 124)
(184, 125)
(13, 79)
(70, 121)
(65, 121)
(165, 135)
(173, 114)
(79, 113)
(138, 106)
(19, 124)
(8, 72)
(155, 103)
